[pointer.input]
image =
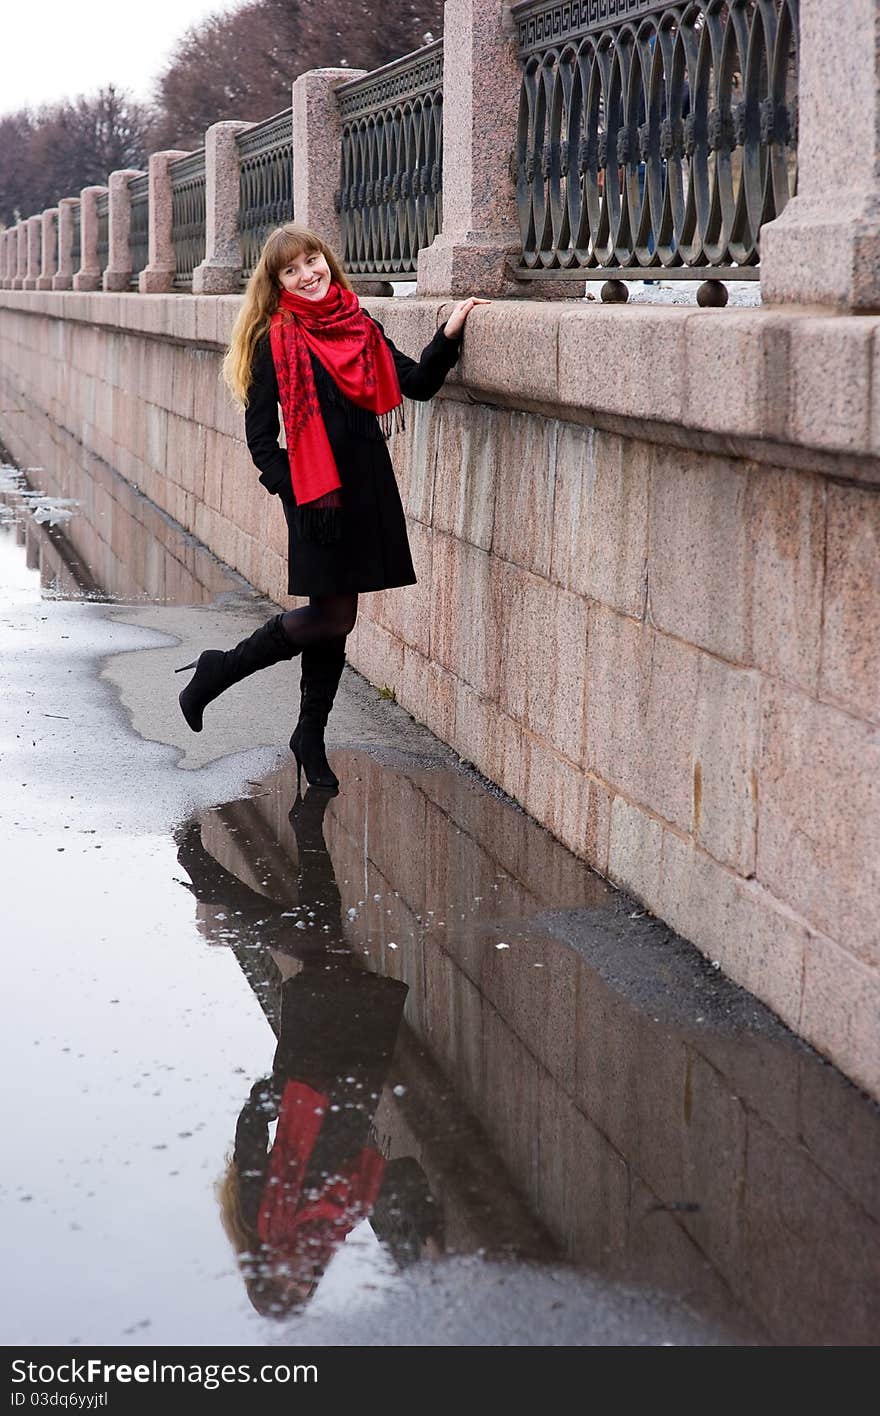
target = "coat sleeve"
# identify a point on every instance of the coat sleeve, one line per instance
(262, 427)
(420, 379)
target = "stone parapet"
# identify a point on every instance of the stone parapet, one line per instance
(674, 578)
(34, 227)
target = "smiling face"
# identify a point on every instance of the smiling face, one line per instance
(307, 274)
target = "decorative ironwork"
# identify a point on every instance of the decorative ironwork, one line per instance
(655, 137)
(187, 215)
(139, 229)
(390, 192)
(265, 154)
(102, 210)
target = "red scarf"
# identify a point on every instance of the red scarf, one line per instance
(306, 1232)
(353, 352)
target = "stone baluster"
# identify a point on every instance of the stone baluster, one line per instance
(63, 279)
(20, 256)
(825, 247)
(117, 275)
(317, 148)
(88, 277)
(220, 272)
(479, 246)
(6, 250)
(157, 277)
(49, 249)
(34, 226)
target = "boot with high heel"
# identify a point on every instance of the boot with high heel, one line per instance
(218, 669)
(322, 667)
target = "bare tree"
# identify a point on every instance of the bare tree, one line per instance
(62, 147)
(242, 64)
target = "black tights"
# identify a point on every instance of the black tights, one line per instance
(324, 617)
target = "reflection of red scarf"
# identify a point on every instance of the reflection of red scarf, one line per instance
(306, 1233)
(356, 356)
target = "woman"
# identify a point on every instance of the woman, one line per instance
(301, 340)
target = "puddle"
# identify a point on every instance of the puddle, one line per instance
(557, 1079)
(388, 1067)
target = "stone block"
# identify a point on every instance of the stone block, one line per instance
(414, 455)
(635, 849)
(377, 654)
(492, 350)
(725, 770)
(556, 794)
(467, 591)
(641, 706)
(156, 433)
(600, 516)
(745, 352)
(830, 372)
(736, 560)
(526, 474)
(840, 1015)
(737, 923)
(406, 612)
(466, 471)
(624, 359)
(215, 456)
(850, 671)
(543, 673)
(819, 825)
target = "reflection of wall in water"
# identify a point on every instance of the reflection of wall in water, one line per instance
(117, 542)
(605, 1115)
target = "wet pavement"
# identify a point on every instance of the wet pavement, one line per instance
(390, 1067)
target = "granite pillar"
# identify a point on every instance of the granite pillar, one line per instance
(317, 146)
(157, 277)
(478, 248)
(117, 275)
(825, 247)
(34, 225)
(20, 256)
(220, 272)
(88, 277)
(63, 279)
(49, 243)
(6, 257)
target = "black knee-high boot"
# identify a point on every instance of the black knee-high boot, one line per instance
(218, 669)
(322, 665)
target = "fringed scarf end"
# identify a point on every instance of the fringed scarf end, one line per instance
(392, 422)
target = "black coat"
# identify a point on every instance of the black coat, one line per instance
(372, 550)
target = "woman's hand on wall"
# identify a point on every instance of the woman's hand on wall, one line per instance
(455, 323)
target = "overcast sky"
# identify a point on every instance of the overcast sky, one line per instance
(61, 48)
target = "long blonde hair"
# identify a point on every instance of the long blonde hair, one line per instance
(260, 302)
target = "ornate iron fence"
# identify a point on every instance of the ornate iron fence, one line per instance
(102, 208)
(265, 154)
(187, 215)
(390, 194)
(654, 138)
(139, 228)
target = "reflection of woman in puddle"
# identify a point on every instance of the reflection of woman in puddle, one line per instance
(287, 1206)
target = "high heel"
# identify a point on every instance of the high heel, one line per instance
(216, 669)
(307, 746)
